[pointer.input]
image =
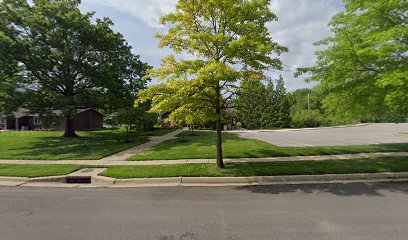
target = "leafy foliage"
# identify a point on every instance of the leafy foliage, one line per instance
(66, 59)
(251, 103)
(134, 118)
(281, 106)
(261, 106)
(10, 97)
(364, 68)
(307, 118)
(306, 109)
(228, 41)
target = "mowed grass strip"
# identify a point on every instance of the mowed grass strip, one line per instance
(201, 145)
(91, 145)
(32, 171)
(374, 165)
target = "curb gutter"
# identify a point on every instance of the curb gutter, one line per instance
(100, 181)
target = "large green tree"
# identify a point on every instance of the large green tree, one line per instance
(261, 106)
(251, 103)
(281, 107)
(363, 69)
(226, 41)
(9, 88)
(67, 59)
(134, 118)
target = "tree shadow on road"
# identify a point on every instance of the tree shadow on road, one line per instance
(339, 189)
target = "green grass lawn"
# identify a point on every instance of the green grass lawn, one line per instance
(202, 145)
(36, 170)
(404, 133)
(51, 146)
(375, 165)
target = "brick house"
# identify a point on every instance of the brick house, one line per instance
(163, 120)
(84, 119)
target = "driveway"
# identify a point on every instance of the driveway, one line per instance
(308, 212)
(358, 135)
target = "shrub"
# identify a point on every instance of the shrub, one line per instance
(305, 118)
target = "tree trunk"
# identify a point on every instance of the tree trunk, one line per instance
(69, 127)
(127, 137)
(220, 161)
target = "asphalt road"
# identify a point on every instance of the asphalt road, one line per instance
(335, 211)
(362, 135)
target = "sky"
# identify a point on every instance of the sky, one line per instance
(301, 23)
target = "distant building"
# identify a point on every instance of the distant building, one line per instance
(231, 120)
(23, 119)
(163, 120)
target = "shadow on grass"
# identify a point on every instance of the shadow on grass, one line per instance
(235, 147)
(89, 146)
(367, 165)
(345, 190)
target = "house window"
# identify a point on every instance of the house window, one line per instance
(37, 121)
(3, 121)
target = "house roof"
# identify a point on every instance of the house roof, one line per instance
(23, 112)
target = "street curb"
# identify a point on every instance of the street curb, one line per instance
(58, 179)
(17, 179)
(192, 181)
(101, 181)
(13, 181)
(296, 179)
(135, 182)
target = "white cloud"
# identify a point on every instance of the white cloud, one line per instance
(301, 23)
(148, 11)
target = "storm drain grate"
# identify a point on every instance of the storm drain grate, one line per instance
(78, 179)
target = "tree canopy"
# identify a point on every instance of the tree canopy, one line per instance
(364, 68)
(260, 106)
(225, 41)
(66, 59)
(9, 87)
(251, 103)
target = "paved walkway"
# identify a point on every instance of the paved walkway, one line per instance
(112, 162)
(140, 148)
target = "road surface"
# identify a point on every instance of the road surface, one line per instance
(335, 211)
(361, 135)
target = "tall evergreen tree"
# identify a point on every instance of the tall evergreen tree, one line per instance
(250, 103)
(282, 105)
(269, 104)
(264, 106)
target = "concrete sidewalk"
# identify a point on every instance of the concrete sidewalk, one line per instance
(140, 148)
(111, 162)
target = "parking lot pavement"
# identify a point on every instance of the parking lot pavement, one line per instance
(358, 135)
